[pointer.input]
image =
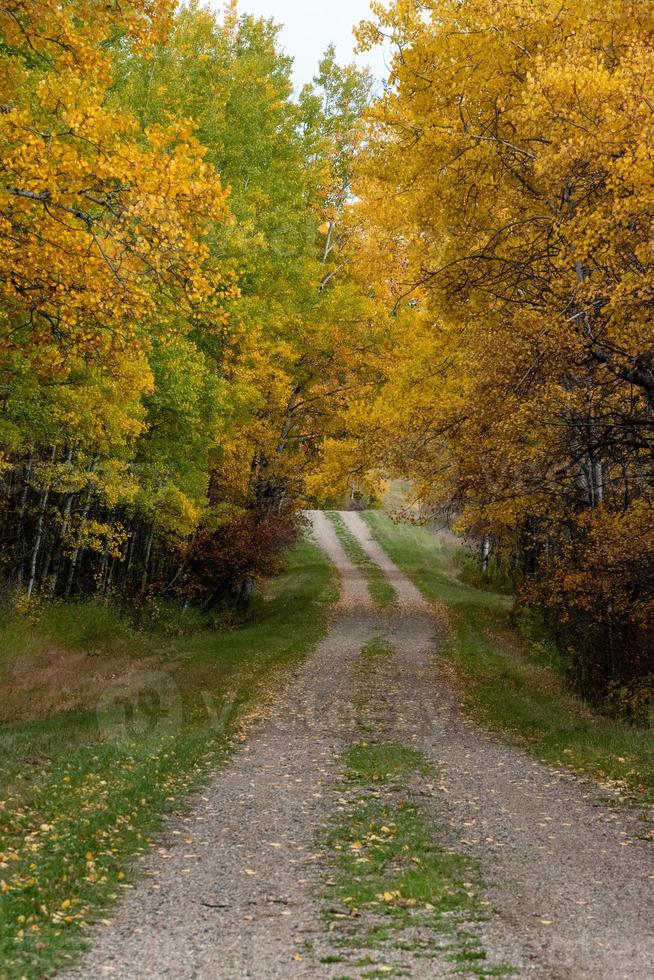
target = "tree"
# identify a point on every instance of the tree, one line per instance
(506, 214)
(105, 249)
(288, 166)
(154, 410)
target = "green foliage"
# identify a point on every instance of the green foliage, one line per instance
(495, 577)
(533, 627)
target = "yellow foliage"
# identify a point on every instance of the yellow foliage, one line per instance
(505, 213)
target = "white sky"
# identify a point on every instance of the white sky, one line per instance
(310, 25)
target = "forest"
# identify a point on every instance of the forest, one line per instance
(326, 489)
(175, 333)
(223, 301)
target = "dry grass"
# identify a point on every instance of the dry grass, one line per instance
(53, 681)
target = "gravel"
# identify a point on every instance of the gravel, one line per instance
(230, 890)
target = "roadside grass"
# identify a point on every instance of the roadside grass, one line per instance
(382, 592)
(83, 789)
(392, 891)
(507, 681)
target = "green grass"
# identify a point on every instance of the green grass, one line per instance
(76, 626)
(431, 564)
(369, 677)
(375, 651)
(392, 888)
(383, 761)
(382, 592)
(510, 682)
(390, 885)
(83, 790)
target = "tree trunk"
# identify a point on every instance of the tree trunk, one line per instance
(37, 541)
(146, 558)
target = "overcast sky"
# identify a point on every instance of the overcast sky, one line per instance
(310, 25)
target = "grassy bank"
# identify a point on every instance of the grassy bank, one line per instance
(105, 729)
(504, 683)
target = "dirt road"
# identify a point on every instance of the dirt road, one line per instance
(232, 891)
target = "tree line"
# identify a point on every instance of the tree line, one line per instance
(221, 299)
(506, 203)
(174, 326)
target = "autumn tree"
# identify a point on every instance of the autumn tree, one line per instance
(506, 204)
(176, 320)
(287, 161)
(105, 257)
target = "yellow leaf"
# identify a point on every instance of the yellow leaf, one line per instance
(389, 896)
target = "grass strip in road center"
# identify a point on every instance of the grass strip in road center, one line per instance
(382, 592)
(394, 895)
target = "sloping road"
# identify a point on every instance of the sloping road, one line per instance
(230, 892)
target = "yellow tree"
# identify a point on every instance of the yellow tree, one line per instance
(91, 211)
(288, 162)
(507, 204)
(104, 234)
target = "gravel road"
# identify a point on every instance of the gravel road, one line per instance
(229, 892)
